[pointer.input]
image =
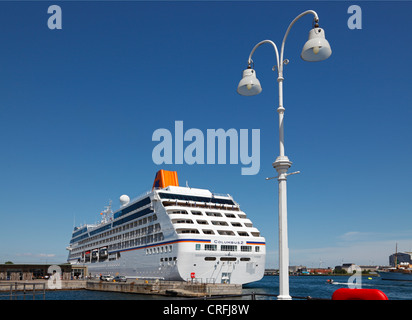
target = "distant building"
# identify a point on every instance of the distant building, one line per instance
(348, 267)
(351, 268)
(271, 272)
(296, 269)
(401, 257)
(320, 270)
(369, 268)
(31, 271)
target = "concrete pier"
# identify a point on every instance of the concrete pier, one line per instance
(141, 286)
(28, 285)
(168, 288)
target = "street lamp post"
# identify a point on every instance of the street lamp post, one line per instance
(316, 48)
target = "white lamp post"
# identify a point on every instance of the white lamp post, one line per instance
(316, 48)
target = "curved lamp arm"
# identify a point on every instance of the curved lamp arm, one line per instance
(316, 19)
(279, 60)
(258, 45)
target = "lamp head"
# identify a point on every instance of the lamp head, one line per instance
(249, 85)
(317, 48)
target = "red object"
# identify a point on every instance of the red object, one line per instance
(358, 294)
(192, 275)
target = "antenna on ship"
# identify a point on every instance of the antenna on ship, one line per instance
(106, 213)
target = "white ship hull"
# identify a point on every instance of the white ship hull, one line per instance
(214, 267)
(207, 238)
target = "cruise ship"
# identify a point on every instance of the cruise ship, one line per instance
(172, 233)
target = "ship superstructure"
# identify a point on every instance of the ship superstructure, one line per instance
(173, 233)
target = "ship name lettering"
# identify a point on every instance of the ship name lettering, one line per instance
(228, 242)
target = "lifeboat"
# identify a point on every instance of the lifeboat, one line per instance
(103, 252)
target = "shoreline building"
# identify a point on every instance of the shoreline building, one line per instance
(400, 257)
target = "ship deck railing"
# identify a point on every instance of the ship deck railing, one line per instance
(203, 205)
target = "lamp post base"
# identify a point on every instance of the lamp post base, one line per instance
(282, 164)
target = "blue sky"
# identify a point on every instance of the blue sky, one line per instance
(79, 106)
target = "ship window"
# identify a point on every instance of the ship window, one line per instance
(195, 198)
(202, 222)
(177, 212)
(230, 215)
(242, 215)
(246, 248)
(182, 221)
(244, 259)
(219, 223)
(150, 238)
(187, 231)
(210, 258)
(197, 246)
(236, 224)
(255, 234)
(213, 214)
(208, 231)
(210, 247)
(228, 248)
(227, 259)
(249, 225)
(226, 232)
(197, 213)
(243, 234)
(257, 249)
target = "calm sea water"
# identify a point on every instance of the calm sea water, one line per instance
(317, 287)
(300, 286)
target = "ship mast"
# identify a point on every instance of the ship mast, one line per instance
(396, 256)
(107, 213)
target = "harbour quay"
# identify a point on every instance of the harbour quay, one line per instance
(35, 277)
(134, 286)
(40, 284)
(167, 288)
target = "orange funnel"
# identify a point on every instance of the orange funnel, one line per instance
(165, 178)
